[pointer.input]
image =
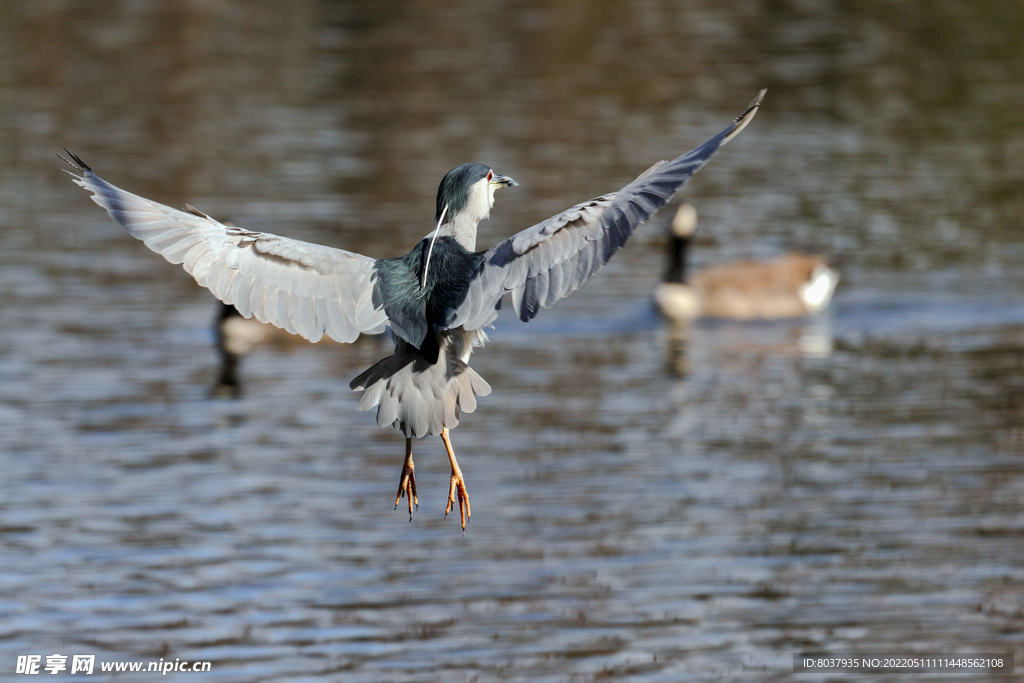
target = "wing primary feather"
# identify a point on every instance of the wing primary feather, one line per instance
(746, 117)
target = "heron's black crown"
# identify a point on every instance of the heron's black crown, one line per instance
(454, 188)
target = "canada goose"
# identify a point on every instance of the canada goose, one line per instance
(789, 286)
(236, 337)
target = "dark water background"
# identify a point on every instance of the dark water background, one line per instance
(649, 505)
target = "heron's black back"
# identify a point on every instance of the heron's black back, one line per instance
(416, 311)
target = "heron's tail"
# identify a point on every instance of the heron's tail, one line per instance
(418, 397)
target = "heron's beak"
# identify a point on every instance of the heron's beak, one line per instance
(503, 180)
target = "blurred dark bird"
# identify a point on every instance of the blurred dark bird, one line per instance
(232, 345)
(789, 286)
(438, 298)
(236, 337)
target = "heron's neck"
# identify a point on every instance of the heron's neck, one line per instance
(676, 271)
(463, 229)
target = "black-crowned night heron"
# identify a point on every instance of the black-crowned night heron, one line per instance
(789, 286)
(438, 298)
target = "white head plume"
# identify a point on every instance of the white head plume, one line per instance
(431, 249)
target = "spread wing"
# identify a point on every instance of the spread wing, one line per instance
(551, 260)
(304, 288)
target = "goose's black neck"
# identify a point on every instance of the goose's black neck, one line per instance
(677, 254)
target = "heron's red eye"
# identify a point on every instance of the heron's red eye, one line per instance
(490, 175)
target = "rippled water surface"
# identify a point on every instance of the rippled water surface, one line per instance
(649, 503)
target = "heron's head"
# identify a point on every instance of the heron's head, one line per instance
(468, 189)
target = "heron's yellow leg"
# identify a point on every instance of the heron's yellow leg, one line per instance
(458, 484)
(407, 484)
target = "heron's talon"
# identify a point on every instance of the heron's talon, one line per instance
(457, 491)
(407, 482)
(457, 486)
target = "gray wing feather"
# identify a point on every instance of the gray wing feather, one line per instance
(552, 259)
(304, 288)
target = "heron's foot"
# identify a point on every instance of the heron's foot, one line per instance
(458, 485)
(457, 489)
(407, 483)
